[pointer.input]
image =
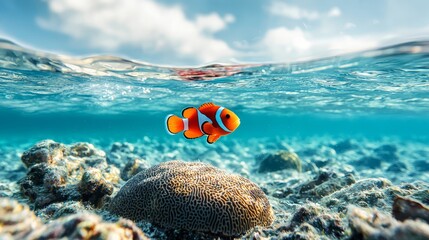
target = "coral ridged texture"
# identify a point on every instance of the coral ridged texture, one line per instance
(194, 196)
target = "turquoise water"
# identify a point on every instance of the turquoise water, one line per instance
(356, 117)
(374, 94)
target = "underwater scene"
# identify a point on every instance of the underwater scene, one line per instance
(333, 148)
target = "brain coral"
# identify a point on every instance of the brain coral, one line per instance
(193, 196)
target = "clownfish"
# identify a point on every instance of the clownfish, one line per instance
(209, 119)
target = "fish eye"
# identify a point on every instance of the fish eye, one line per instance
(227, 115)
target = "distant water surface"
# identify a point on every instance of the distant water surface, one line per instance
(378, 93)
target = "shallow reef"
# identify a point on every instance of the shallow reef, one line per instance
(281, 189)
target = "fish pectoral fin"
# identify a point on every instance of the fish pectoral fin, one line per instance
(207, 128)
(192, 134)
(212, 138)
(189, 112)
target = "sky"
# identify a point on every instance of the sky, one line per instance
(198, 32)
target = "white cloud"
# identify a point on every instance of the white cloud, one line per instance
(349, 25)
(291, 11)
(283, 9)
(145, 24)
(282, 43)
(213, 22)
(165, 29)
(229, 18)
(334, 12)
(347, 44)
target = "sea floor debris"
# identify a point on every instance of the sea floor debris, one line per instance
(334, 196)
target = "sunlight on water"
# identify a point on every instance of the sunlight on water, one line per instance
(389, 80)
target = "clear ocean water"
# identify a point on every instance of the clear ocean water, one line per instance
(377, 94)
(350, 130)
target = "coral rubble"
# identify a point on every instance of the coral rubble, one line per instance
(59, 173)
(18, 222)
(373, 224)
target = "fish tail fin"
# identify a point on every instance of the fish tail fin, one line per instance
(174, 124)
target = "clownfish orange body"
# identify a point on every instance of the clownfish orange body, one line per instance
(209, 119)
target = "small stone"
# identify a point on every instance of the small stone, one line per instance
(133, 167)
(370, 162)
(319, 179)
(373, 224)
(280, 161)
(387, 152)
(421, 165)
(304, 214)
(94, 187)
(85, 150)
(17, 221)
(121, 153)
(422, 195)
(397, 167)
(344, 146)
(46, 151)
(112, 174)
(308, 152)
(405, 208)
(325, 183)
(122, 147)
(7, 188)
(328, 224)
(386, 148)
(366, 192)
(90, 226)
(304, 232)
(322, 162)
(282, 193)
(61, 209)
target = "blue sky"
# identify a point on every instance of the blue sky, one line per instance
(195, 32)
